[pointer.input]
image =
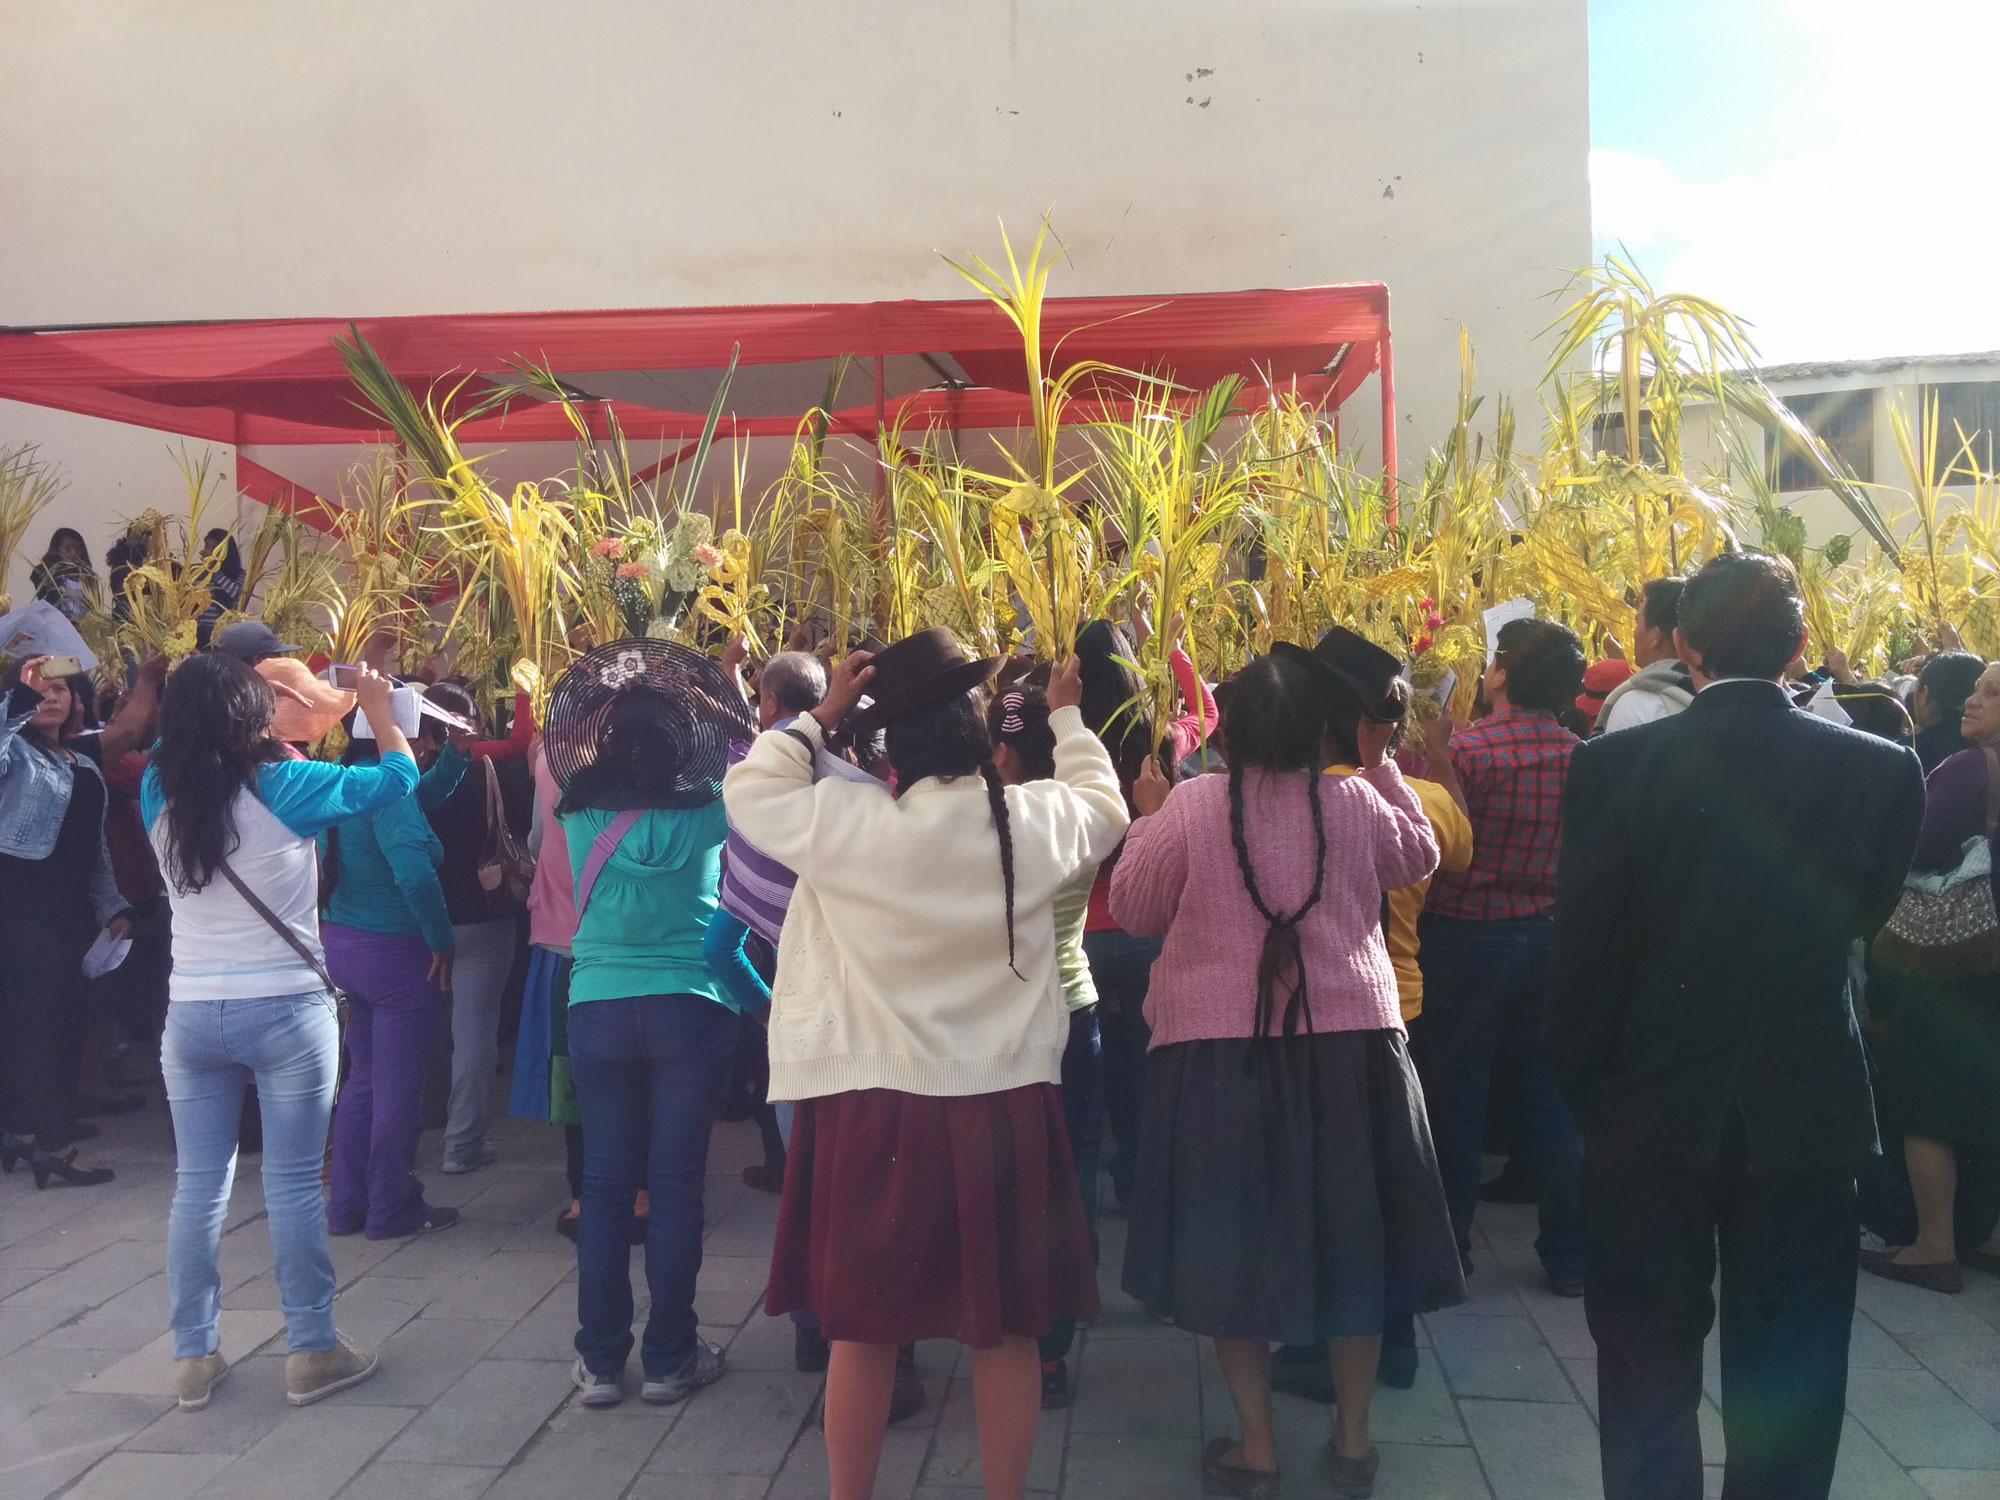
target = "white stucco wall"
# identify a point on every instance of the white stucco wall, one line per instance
(238, 158)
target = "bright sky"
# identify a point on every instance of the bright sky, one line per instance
(1822, 167)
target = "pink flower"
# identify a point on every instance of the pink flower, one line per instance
(1420, 645)
(708, 555)
(608, 546)
(632, 570)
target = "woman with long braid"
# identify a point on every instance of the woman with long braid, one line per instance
(1287, 1189)
(917, 1018)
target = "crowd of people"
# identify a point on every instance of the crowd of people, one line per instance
(1683, 934)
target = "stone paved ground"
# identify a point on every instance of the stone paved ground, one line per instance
(474, 1396)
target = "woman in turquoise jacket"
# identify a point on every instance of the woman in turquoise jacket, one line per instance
(650, 1029)
(389, 945)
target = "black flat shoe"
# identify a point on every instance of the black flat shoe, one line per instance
(1398, 1369)
(1234, 1479)
(1354, 1477)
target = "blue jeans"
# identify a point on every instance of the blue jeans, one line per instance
(1121, 967)
(648, 1071)
(1485, 986)
(212, 1048)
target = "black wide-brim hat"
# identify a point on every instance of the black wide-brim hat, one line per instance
(918, 670)
(702, 706)
(1357, 664)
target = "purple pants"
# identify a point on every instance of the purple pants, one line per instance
(391, 1018)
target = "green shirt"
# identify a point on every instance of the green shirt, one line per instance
(642, 932)
(1072, 906)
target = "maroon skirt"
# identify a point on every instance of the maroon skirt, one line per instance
(910, 1217)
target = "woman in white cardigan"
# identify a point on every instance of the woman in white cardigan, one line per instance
(918, 1019)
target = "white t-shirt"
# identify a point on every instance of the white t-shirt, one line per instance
(223, 950)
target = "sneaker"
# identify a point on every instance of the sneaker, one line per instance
(906, 1397)
(598, 1390)
(196, 1378)
(810, 1352)
(482, 1155)
(436, 1216)
(314, 1374)
(1566, 1283)
(704, 1367)
(1055, 1385)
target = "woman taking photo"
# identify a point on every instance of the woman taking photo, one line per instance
(1287, 1188)
(64, 576)
(233, 817)
(389, 945)
(1941, 1051)
(918, 1019)
(57, 893)
(638, 738)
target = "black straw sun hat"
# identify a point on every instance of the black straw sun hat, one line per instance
(696, 707)
(917, 670)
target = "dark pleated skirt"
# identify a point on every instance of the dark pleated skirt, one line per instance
(1294, 1201)
(909, 1217)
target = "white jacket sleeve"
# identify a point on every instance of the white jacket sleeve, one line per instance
(1092, 816)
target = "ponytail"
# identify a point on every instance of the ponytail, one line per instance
(996, 797)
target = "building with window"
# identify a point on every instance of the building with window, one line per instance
(1850, 405)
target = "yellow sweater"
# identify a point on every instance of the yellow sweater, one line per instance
(1453, 832)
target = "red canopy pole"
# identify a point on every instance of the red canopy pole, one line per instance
(1385, 372)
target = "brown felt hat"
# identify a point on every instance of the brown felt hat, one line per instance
(918, 670)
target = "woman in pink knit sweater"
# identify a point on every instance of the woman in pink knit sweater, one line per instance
(1287, 1188)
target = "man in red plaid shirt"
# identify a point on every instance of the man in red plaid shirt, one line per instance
(1484, 942)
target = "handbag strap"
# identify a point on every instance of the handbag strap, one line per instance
(282, 929)
(495, 814)
(1992, 789)
(601, 849)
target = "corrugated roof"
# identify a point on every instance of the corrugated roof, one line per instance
(1830, 368)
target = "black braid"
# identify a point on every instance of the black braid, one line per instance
(996, 796)
(1281, 952)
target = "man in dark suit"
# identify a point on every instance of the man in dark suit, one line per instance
(1716, 869)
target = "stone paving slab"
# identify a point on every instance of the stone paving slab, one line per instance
(474, 1399)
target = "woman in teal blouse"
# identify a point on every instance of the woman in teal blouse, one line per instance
(650, 1038)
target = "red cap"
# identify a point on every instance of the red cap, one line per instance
(1599, 678)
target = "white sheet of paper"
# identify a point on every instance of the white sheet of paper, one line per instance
(1501, 614)
(406, 702)
(40, 629)
(1827, 706)
(104, 955)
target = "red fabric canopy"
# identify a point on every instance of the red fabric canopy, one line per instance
(954, 364)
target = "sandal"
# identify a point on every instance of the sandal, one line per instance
(1234, 1478)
